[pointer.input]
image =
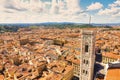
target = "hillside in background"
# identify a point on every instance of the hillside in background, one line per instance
(15, 27)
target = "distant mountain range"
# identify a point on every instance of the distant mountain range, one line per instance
(56, 23)
(106, 24)
(13, 27)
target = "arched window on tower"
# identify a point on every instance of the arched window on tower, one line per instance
(86, 48)
(87, 62)
(86, 72)
(84, 61)
(83, 71)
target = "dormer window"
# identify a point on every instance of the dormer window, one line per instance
(86, 48)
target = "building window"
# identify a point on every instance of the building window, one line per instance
(86, 48)
(86, 72)
(86, 61)
(83, 71)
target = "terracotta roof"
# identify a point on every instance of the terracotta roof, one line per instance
(68, 69)
(111, 55)
(1, 77)
(71, 58)
(76, 61)
(113, 74)
(53, 76)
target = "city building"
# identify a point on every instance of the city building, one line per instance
(76, 65)
(87, 58)
(113, 72)
(109, 57)
(58, 54)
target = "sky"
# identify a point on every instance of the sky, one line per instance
(78, 11)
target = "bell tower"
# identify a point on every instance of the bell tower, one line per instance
(87, 55)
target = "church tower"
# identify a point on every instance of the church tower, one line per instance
(87, 55)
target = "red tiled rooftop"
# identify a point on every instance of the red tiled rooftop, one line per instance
(111, 55)
(1, 77)
(113, 74)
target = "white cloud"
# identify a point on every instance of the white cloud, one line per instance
(115, 4)
(54, 7)
(95, 6)
(113, 10)
(39, 10)
(36, 11)
(73, 6)
(110, 11)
